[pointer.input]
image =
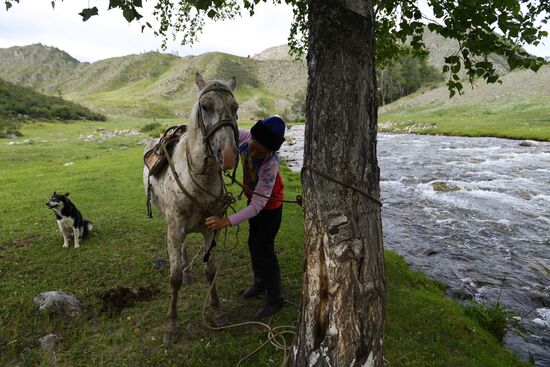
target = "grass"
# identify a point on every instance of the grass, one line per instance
(520, 119)
(495, 318)
(423, 328)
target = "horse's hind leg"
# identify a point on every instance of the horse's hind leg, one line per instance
(187, 278)
(174, 240)
(220, 318)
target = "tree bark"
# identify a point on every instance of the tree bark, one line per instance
(343, 300)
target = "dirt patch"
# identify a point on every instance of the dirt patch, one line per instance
(117, 299)
(18, 243)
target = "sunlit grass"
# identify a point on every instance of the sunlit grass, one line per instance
(105, 181)
(519, 119)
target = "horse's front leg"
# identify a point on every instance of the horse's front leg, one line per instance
(175, 237)
(220, 318)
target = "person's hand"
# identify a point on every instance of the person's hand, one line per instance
(216, 222)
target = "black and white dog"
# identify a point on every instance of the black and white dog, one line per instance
(69, 219)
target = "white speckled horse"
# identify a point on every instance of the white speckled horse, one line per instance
(209, 146)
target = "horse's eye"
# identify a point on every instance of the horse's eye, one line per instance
(205, 107)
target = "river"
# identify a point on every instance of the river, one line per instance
(473, 213)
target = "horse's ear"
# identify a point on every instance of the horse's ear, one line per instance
(199, 80)
(233, 83)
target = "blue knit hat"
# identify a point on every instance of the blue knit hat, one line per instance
(270, 132)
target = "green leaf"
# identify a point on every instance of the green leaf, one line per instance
(203, 4)
(53, 4)
(130, 14)
(8, 5)
(88, 13)
(115, 4)
(211, 13)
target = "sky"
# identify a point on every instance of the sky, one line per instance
(109, 35)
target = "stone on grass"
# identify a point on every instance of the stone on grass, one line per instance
(47, 342)
(60, 302)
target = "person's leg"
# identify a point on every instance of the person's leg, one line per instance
(257, 286)
(270, 221)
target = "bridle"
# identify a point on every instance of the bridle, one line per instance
(226, 118)
(225, 198)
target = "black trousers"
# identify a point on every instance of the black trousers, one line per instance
(263, 229)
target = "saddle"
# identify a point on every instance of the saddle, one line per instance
(154, 158)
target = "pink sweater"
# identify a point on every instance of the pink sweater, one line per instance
(267, 175)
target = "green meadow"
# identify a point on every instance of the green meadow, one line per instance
(104, 178)
(527, 118)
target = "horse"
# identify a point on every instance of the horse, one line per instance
(192, 188)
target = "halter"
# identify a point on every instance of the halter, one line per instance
(225, 120)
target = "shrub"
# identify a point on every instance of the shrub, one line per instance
(154, 129)
(494, 319)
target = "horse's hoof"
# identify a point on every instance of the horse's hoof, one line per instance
(221, 321)
(187, 279)
(168, 338)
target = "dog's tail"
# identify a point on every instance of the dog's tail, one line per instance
(88, 225)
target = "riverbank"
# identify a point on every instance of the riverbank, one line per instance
(101, 165)
(517, 119)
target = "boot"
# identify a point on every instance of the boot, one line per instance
(272, 280)
(258, 286)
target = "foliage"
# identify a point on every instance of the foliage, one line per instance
(494, 319)
(153, 129)
(298, 107)
(9, 127)
(404, 77)
(19, 103)
(475, 24)
(481, 27)
(263, 108)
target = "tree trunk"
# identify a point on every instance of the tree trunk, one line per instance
(343, 300)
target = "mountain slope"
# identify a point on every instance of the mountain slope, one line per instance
(18, 104)
(152, 84)
(519, 84)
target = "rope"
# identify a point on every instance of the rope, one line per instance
(187, 193)
(234, 180)
(342, 183)
(276, 337)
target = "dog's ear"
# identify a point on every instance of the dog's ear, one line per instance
(67, 194)
(55, 193)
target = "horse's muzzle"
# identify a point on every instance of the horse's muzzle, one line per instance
(227, 157)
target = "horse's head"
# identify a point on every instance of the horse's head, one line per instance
(217, 118)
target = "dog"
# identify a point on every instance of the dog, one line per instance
(69, 219)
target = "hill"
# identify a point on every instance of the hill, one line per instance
(519, 84)
(18, 104)
(152, 84)
(162, 85)
(518, 108)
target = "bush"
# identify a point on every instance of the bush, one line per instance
(17, 103)
(494, 319)
(154, 129)
(9, 127)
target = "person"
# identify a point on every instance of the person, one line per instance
(264, 189)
